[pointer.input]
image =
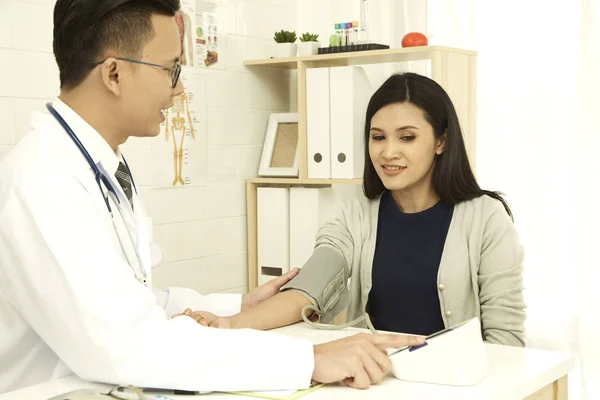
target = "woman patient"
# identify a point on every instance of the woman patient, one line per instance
(426, 249)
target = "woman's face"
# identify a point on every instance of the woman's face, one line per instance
(402, 147)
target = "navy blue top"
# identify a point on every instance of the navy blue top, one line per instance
(408, 250)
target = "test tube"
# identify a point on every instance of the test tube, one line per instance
(364, 21)
(349, 40)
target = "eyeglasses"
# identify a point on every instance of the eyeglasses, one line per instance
(175, 71)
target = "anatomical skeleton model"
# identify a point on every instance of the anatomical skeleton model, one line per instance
(179, 112)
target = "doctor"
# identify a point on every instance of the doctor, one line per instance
(75, 278)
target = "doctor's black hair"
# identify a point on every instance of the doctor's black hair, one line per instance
(85, 29)
(453, 179)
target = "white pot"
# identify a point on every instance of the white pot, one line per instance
(283, 50)
(308, 48)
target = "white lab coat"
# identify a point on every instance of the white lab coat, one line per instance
(69, 301)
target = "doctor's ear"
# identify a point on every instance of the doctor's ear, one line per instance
(111, 71)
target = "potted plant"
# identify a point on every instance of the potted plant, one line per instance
(308, 45)
(285, 46)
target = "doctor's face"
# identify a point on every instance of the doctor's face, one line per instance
(150, 90)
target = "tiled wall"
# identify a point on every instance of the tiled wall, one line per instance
(201, 228)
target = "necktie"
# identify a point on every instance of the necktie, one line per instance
(124, 180)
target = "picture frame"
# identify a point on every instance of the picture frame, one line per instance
(280, 149)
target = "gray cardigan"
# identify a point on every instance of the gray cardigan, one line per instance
(480, 272)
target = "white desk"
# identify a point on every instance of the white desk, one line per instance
(514, 374)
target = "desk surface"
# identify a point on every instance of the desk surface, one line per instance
(514, 373)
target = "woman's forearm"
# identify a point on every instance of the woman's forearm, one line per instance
(280, 310)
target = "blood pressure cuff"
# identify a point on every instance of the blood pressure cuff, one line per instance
(324, 281)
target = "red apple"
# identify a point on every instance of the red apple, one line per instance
(413, 39)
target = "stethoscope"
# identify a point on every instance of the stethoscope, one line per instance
(129, 248)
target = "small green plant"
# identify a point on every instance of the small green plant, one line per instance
(285, 36)
(309, 37)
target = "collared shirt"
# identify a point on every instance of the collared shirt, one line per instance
(70, 301)
(95, 144)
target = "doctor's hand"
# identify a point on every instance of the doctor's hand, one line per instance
(360, 360)
(205, 318)
(269, 289)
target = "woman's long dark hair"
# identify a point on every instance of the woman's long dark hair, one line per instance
(453, 179)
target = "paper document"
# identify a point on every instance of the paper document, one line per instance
(279, 394)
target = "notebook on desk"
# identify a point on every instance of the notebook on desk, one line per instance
(148, 394)
(280, 394)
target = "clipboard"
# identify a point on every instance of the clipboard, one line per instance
(433, 335)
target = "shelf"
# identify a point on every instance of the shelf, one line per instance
(358, 57)
(303, 182)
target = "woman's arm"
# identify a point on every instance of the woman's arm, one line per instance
(321, 282)
(280, 310)
(501, 281)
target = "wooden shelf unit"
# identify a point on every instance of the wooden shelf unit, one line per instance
(358, 57)
(454, 69)
(251, 206)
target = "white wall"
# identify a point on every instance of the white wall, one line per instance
(203, 228)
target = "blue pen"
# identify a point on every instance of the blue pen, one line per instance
(128, 394)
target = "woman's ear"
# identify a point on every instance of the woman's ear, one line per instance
(441, 143)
